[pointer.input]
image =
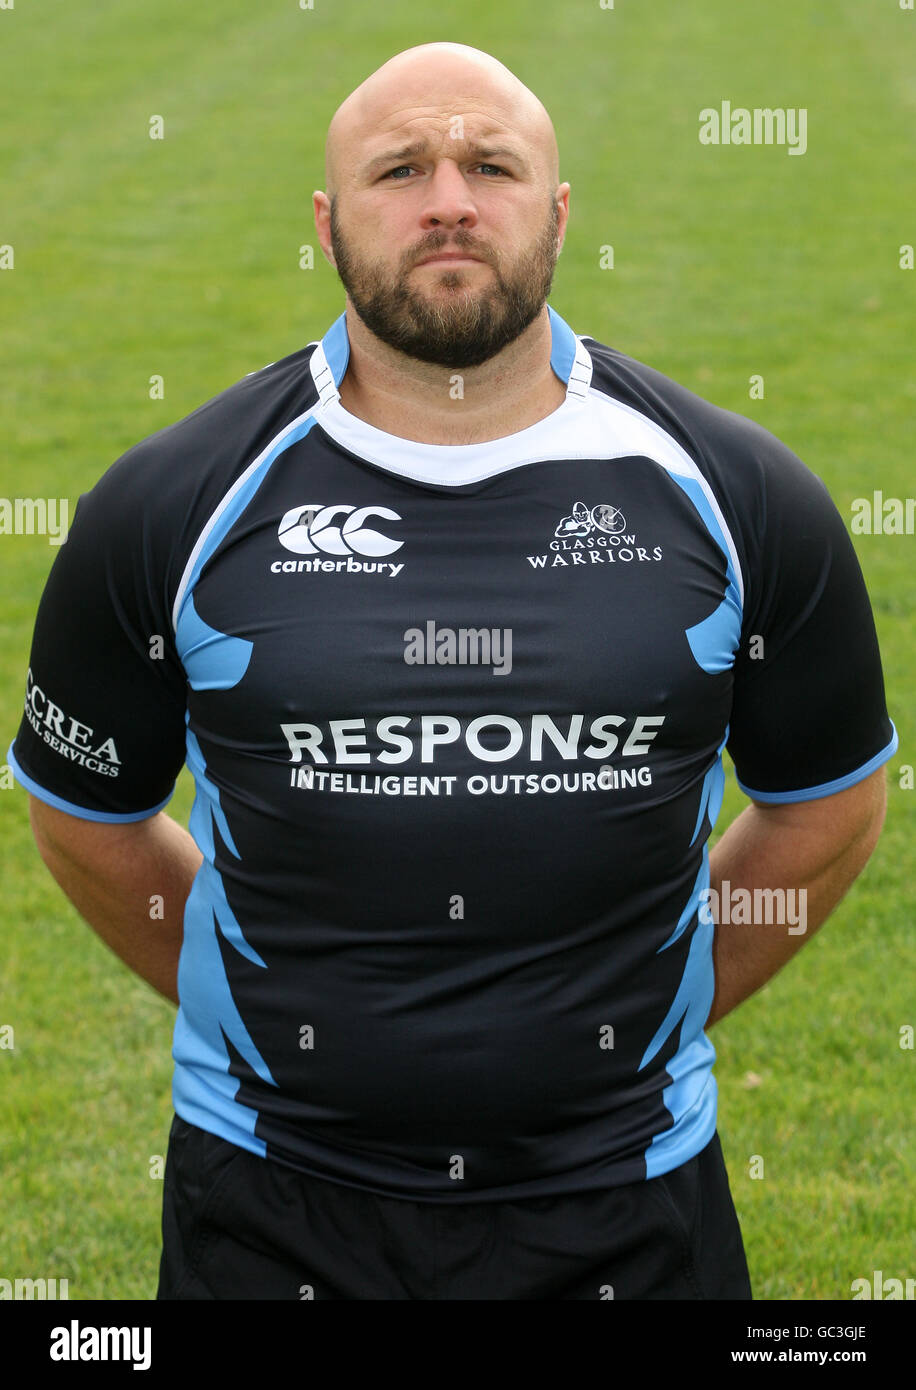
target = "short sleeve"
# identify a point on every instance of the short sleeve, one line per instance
(809, 716)
(103, 729)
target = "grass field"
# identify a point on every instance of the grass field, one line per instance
(179, 257)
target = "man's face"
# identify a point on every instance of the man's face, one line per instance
(453, 315)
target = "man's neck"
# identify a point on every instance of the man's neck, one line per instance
(443, 405)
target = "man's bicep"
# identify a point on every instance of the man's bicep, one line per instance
(83, 841)
(833, 822)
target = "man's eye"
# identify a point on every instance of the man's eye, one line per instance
(397, 169)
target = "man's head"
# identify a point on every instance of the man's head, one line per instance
(443, 150)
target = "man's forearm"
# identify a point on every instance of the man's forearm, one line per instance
(817, 848)
(130, 883)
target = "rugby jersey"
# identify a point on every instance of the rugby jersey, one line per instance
(456, 718)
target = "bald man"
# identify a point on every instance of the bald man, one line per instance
(452, 615)
(428, 295)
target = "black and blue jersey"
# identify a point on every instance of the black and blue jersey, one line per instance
(456, 718)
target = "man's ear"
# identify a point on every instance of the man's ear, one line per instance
(321, 208)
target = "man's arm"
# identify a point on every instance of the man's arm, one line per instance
(112, 872)
(820, 846)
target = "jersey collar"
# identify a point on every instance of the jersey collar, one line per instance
(569, 360)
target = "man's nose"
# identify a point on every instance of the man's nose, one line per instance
(447, 198)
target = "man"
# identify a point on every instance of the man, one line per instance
(447, 948)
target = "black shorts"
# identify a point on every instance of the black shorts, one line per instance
(238, 1226)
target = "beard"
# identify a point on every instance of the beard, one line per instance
(454, 326)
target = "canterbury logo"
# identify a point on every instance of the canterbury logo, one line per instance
(311, 528)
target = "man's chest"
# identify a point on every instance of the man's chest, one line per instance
(588, 596)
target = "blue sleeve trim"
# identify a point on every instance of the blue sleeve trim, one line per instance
(827, 788)
(109, 817)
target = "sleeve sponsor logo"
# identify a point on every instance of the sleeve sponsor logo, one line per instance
(68, 736)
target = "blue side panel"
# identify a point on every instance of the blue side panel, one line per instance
(701, 883)
(208, 1019)
(206, 811)
(212, 660)
(699, 499)
(692, 1095)
(717, 787)
(206, 814)
(711, 794)
(694, 987)
(714, 641)
(336, 344)
(203, 988)
(562, 347)
(202, 1090)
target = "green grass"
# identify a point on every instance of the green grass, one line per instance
(179, 257)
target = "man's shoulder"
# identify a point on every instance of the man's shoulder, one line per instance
(150, 505)
(741, 459)
(678, 409)
(261, 400)
(190, 462)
